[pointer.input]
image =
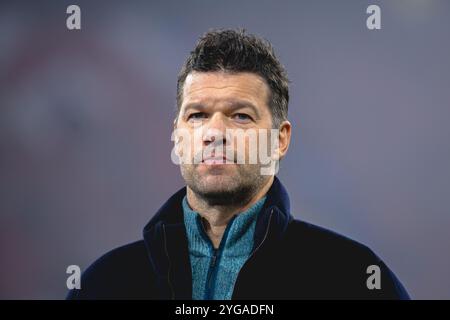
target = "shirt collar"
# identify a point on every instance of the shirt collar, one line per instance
(240, 228)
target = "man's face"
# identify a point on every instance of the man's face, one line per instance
(215, 102)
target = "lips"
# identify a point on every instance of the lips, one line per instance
(216, 160)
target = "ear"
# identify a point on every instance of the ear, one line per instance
(284, 138)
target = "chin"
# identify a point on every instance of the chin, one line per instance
(218, 181)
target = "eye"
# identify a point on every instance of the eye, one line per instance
(196, 116)
(242, 117)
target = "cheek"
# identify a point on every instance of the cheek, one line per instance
(183, 145)
(196, 142)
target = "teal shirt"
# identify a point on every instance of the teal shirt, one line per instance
(214, 271)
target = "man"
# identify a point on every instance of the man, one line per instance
(229, 234)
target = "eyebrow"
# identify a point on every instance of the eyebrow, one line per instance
(234, 105)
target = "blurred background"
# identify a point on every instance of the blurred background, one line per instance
(86, 118)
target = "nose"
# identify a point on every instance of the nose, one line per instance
(215, 130)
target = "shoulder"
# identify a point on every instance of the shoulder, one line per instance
(121, 257)
(336, 254)
(116, 274)
(321, 238)
(327, 248)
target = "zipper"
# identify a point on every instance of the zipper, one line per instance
(211, 272)
(211, 268)
(169, 267)
(216, 254)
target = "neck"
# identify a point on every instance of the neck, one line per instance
(216, 217)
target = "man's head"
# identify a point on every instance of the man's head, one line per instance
(232, 81)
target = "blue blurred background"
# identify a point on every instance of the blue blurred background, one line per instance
(86, 118)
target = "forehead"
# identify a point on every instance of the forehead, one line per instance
(220, 86)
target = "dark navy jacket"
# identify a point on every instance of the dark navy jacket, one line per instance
(291, 259)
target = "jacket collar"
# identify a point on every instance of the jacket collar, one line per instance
(167, 246)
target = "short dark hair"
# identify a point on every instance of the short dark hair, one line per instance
(236, 51)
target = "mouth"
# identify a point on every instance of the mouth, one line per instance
(217, 161)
